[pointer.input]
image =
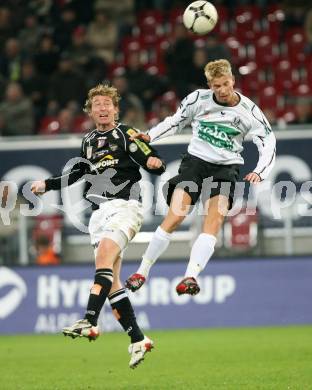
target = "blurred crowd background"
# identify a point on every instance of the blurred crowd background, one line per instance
(53, 52)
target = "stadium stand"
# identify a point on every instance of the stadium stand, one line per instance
(267, 43)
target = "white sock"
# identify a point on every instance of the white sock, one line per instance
(159, 243)
(201, 252)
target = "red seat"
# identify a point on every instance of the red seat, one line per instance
(150, 24)
(82, 124)
(244, 34)
(250, 78)
(169, 98)
(296, 35)
(222, 27)
(49, 125)
(239, 88)
(49, 226)
(266, 53)
(151, 119)
(223, 13)
(272, 22)
(168, 102)
(307, 66)
(285, 76)
(274, 8)
(150, 17)
(130, 45)
(116, 69)
(160, 49)
(248, 13)
(155, 68)
(241, 231)
(246, 23)
(268, 98)
(296, 42)
(149, 40)
(274, 30)
(302, 90)
(286, 115)
(175, 16)
(198, 40)
(238, 51)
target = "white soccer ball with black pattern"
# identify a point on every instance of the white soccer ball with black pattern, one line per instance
(200, 17)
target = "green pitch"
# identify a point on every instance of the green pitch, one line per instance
(229, 359)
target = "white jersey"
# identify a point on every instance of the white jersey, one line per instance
(219, 130)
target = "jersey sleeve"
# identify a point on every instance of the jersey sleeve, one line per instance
(139, 152)
(68, 178)
(264, 138)
(175, 123)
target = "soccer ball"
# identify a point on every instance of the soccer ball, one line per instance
(200, 17)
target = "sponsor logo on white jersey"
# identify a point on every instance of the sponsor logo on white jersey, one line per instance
(217, 135)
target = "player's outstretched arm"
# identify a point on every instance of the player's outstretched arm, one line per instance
(39, 187)
(171, 124)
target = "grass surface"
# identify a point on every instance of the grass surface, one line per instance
(244, 358)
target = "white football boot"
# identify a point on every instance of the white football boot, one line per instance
(82, 328)
(138, 350)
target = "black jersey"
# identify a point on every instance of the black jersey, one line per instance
(110, 164)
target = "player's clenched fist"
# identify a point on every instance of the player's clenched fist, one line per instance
(38, 187)
(153, 163)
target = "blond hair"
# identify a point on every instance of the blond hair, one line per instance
(101, 90)
(217, 68)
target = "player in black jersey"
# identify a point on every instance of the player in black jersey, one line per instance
(110, 164)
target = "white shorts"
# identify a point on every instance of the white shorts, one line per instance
(116, 215)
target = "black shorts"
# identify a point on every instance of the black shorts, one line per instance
(198, 177)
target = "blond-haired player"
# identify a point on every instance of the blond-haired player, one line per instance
(110, 163)
(220, 118)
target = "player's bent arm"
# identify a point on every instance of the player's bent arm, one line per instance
(267, 152)
(143, 154)
(264, 138)
(152, 163)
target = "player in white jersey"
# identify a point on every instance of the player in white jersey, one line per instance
(220, 118)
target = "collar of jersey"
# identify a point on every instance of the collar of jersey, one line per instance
(223, 104)
(107, 131)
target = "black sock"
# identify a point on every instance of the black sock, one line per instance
(124, 313)
(103, 277)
